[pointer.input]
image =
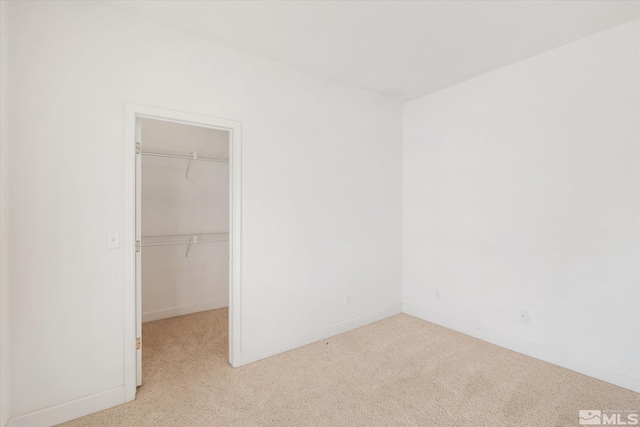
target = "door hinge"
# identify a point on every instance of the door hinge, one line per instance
(137, 148)
(137, 245)
(138, 343)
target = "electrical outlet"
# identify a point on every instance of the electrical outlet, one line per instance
(523, 315)
(437, 293)
(347, 299)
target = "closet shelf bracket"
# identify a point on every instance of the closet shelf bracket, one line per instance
(186, 175)
(194, 156)
(193, 239)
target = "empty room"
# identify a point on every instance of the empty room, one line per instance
(319, 213)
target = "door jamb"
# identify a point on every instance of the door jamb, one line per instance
(132, 113)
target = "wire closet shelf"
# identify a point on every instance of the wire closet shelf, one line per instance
(184, 239)
(184, 155)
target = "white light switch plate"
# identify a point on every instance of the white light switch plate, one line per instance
(113, 239)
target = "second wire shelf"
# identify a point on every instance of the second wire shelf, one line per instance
(184, 239)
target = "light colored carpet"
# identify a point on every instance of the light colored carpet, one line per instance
(401, 371)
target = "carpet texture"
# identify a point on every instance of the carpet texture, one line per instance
(401, 371)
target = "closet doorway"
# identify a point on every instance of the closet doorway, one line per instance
(185, 225)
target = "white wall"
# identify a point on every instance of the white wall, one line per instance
(173, 284)
(4, 235)
(521, 190)
(321, 188)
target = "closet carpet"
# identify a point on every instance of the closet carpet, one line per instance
(400, 371)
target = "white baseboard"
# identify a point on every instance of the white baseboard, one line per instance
(262, 352)
(70, 410)
(585, 367)
(165, 313)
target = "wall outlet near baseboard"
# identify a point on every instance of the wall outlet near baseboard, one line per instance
(523, 315)
(347, 299)
(437, 293)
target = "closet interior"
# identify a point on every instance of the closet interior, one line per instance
(184, 213)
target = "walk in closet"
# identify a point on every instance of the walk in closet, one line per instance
(184, 218)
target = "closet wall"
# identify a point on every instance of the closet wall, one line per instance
(174, 284)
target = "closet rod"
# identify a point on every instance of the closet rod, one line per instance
(184, 155)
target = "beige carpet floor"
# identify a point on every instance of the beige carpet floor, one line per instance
(401, 371)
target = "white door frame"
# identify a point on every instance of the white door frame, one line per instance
(132, 113)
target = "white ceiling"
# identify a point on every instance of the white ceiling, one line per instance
(399, 49)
